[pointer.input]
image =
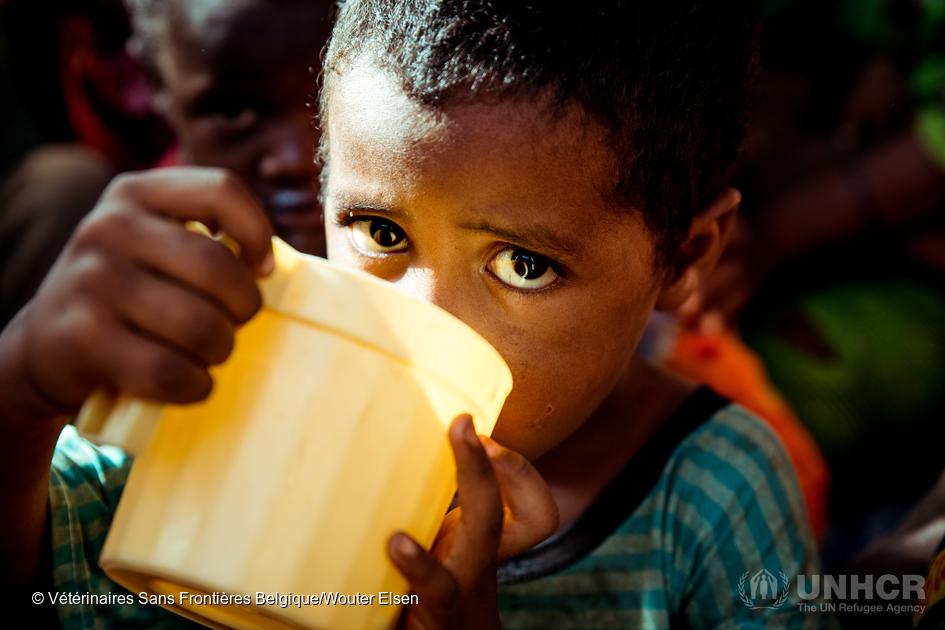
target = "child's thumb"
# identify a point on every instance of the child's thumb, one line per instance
(531, 514)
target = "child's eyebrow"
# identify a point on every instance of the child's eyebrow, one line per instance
(349, 207)
(537, 238)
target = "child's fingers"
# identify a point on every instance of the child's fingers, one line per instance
(531, 514)
(212, 196)
(191, 259)
(480, 498)
(181, 318)
(112, 354)
(202, 263)
(148, 369)
(436, 588)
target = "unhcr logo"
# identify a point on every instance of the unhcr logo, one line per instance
(762, 591)
(861, 594)
(866, 587)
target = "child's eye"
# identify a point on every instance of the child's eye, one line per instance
(243, 117)
(237, 117)
(240, 112)
(522, 269)
(374, 235)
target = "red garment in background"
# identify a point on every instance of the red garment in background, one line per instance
(108, 98)
(171, 157)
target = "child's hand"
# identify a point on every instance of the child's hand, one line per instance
(505, 509)
(138, 303)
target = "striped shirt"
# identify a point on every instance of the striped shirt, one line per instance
(85, 484)
(677, 546)
(678, 538)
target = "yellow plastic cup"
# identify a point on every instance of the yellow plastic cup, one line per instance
(324, 434)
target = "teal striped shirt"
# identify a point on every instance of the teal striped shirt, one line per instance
(722, 506)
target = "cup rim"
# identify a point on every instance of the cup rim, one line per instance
(348, 302)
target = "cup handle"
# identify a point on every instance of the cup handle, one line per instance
(285, 255)
(220, 237)
(129, 423)
(94, 413)
(96, 409)
(121, 421)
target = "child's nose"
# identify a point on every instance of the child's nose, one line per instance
(289, 150)
(432, 287)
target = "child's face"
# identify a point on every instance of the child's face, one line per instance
(496, 213)
(235, 83)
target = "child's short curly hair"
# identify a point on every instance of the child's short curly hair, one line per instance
(668, 79)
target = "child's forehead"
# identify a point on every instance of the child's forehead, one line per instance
(510, 159)
(381, 118)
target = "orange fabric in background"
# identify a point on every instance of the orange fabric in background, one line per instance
(727, 365)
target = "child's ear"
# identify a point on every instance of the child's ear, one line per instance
(696, 256)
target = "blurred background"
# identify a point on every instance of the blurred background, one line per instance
(826, 314)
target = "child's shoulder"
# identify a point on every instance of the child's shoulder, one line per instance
(733, 461)
(728, 499)
(735, 438)
(709, 501)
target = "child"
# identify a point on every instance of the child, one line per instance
(234, 80)
(550, 177)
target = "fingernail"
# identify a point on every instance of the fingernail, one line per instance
(405, 546)
(469, 432)
(267, 265)
(492, 447)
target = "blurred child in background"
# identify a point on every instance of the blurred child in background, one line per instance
(235, 81)
(232, 78)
